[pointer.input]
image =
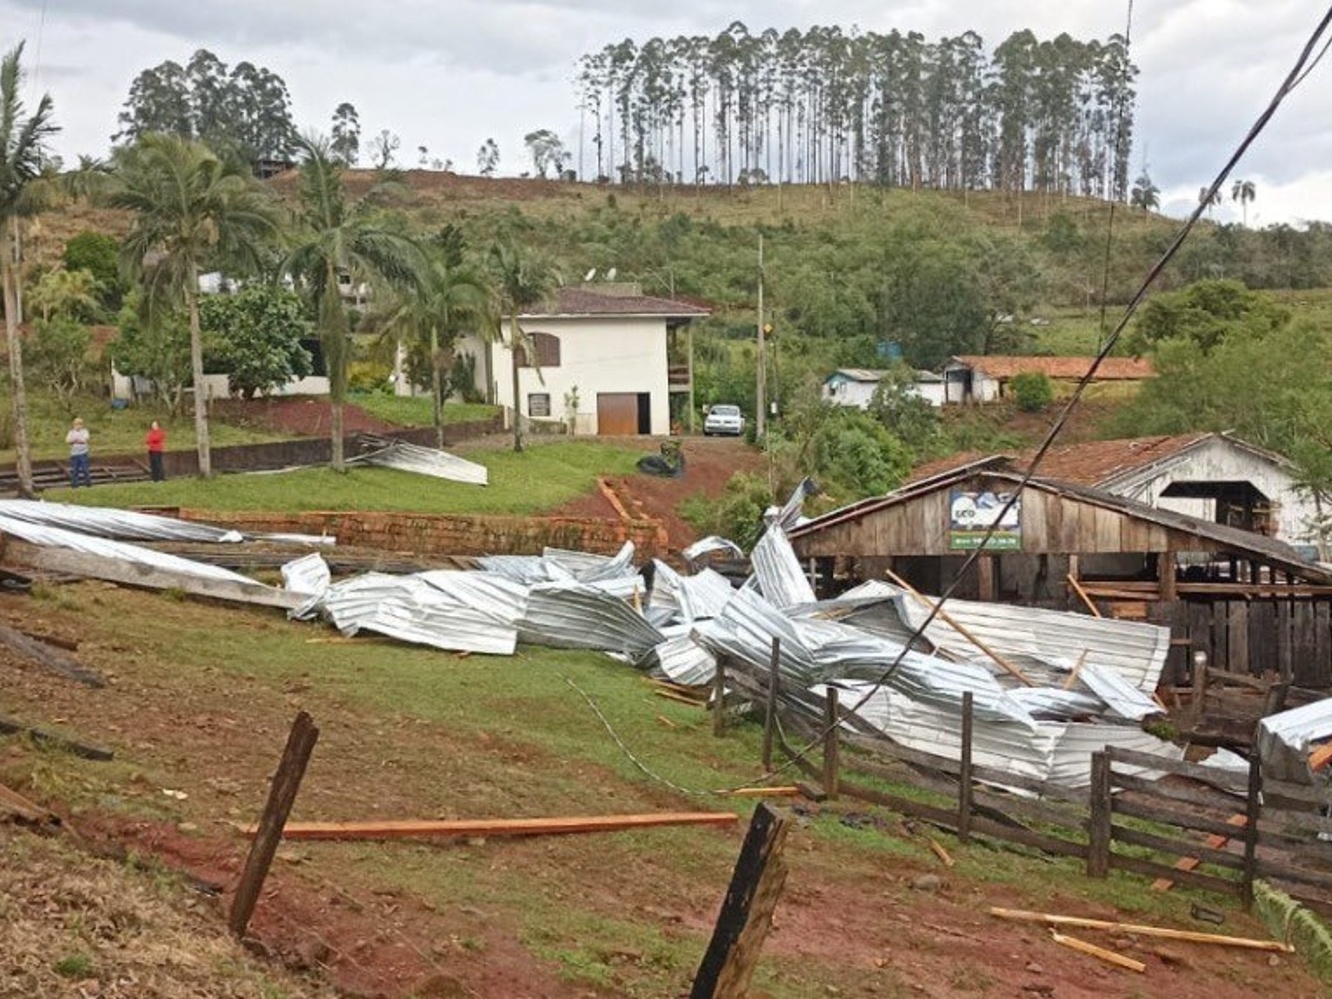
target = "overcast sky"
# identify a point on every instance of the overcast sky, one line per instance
(447, 74)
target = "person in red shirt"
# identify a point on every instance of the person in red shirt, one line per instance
(156, 445)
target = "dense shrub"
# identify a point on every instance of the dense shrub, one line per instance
(1032, 391)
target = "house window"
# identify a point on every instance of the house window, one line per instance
(538, 404)
(545, 348)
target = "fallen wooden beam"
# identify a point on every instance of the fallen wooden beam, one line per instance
(13, 804)
(54, 740)
(1108, 956)
(116, 570)
(777, 791)
(411, 828)
(1191, 936)
(38, 652)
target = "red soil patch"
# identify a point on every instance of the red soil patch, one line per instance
(709, 465)
(300, 416)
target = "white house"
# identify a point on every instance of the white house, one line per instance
(600, 360)
(855, 387)
(1214, 477)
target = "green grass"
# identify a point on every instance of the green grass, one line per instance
(118, 431)
(542, 477)
(409, 411)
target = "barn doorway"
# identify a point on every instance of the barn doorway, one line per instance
(1235, 504)
(624, 414)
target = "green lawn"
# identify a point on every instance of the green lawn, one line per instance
(540, 478)
(117, 431)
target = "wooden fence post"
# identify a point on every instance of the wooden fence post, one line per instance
(746, 913)
(1252, 811)
(964, 773)
(719, 698)
(770, 715)
(281, 796)
(1098, 828)
(832, 721)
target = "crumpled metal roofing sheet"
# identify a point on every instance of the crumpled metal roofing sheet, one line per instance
(308, 575)
(527, 569)
(688, 598)
(1284, 739)
(682, 660)
(1059, 752)
(712, 543)
(1124, 700)
(107, 522)
(413, 610)
(424, 461)
(578, 616)
(778, 570)
(58, 537)
(1134, 649)
(587, 567)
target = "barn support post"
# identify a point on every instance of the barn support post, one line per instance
(1253, 809)
(719, 698)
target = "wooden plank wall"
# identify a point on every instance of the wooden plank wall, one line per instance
(1290, 638)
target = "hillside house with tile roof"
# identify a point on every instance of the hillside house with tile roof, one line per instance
(623, 353)
(971, 378)
(1214, 477)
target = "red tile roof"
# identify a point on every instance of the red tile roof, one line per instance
(1092, 464)
(575, 301)
(1001, 367)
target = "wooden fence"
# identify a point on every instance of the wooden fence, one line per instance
(1290, 637)
(1214, 829)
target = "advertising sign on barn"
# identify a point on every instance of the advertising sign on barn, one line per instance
(972, 512)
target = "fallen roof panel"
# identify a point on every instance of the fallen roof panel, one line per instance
(431, 461)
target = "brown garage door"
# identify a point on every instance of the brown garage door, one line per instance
(617, 413)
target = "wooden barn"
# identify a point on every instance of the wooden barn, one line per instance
(1251, 604)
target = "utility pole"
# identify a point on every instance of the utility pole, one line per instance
(761, 391)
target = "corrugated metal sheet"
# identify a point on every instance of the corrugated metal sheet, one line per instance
(1133, 649)
(577, 616)
(58, 537)
(407, 457)
(589, 568)
(1123, 699)
(682, 660)
(712, 543)
(308, 575)
(412, 610)
(780, 576)
(106, 522)
(1284, 739)
(688, 598)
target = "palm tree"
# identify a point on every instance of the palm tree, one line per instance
(191, 210)
(1209, 198)
(1243, 191)
(451, 294)
(1145, 194)
(523, 281)
(334, 241)
(21, 144)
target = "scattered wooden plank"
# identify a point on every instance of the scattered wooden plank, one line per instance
(413, 828)
(1321, 756)
(746, 913)
(671, 695)
(38, 652)
(132, 574)
(1214, 841)
(1077, 670)
(1082, 594)
(281, 796)
(14, 805)
(941, 853)
(778, 791)
(54, 740)
(1108, 956)
(1192, 936)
